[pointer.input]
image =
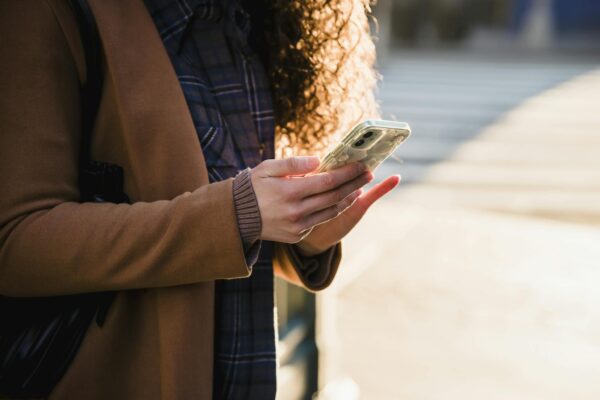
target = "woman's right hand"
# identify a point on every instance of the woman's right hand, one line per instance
(291, 203)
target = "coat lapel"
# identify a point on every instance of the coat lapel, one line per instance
(161, 147)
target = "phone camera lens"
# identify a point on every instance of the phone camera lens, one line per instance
(359, 143)
(368, 135)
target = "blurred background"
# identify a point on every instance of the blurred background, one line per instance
(479, 277)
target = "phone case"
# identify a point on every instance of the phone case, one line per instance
(369, 142)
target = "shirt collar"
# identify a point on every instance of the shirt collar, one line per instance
(172, 17)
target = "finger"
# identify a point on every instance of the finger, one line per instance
(326, 181)
(323, 200)
(365, 201)
(289, 166)
(379, 190)
(328, 213)
(375, 193)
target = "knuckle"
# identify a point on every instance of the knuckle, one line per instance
(294, 215)
(327, 180)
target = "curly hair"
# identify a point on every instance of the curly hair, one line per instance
(321, 64)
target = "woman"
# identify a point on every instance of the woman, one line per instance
(187, 104)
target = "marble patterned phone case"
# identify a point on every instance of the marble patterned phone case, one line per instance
(370, 142)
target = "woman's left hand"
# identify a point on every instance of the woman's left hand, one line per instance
(327, 234)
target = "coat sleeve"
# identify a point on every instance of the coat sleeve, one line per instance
(313, 273)
(51, 244)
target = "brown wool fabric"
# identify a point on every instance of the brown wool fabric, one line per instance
(314, 270)
(246, 208)
(162, 253)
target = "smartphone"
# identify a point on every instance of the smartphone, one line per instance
(369, 142)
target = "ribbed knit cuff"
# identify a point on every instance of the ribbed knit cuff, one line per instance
(246, 209)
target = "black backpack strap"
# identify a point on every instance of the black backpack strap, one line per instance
(98, 181)
(91, 93)
(92, 88)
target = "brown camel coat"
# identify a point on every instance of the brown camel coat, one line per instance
(164, 251)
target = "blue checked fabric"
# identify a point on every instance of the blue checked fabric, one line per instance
(228, 95)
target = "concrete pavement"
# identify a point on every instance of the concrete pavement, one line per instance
(479, 277)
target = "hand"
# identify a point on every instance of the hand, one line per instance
(329, 233)
(291, 204)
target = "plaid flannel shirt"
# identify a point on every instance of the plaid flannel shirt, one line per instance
(228, 95)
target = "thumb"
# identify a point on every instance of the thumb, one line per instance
(289, 166)
(365, 201)
(380, 190)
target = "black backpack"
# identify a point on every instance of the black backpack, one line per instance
(40, 336)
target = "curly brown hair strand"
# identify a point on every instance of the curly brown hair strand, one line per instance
(321, 64)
